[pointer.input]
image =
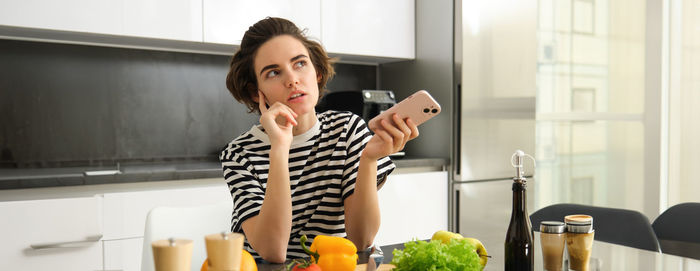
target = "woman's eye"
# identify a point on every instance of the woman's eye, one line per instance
(300, 64)
(272, 74)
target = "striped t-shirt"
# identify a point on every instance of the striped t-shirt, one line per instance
(323, 164)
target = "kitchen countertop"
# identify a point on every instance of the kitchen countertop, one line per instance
(363, 257)
(149, 172)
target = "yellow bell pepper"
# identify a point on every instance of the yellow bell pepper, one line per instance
(332, 253)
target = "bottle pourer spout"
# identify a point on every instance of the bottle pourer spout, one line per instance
(517, 162)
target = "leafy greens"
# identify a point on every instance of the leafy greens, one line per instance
(458, 255)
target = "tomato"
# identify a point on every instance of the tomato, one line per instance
(311, 267)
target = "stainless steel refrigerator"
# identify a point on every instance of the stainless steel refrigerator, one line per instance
(495, 64)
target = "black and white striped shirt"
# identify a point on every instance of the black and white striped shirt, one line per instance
(323, 164)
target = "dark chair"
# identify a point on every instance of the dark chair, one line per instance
(617, 226)
(678, 230)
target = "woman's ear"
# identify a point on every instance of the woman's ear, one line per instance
(256, 96)
(318, 78)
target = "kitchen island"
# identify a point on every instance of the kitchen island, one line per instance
(605, 256)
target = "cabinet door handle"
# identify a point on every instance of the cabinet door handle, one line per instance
(81, 243)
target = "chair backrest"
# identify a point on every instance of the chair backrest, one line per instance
(617, 226)
(678, 230)
(191, 223)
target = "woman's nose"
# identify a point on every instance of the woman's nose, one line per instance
(292, 79)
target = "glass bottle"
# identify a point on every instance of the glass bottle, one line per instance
(519, 245)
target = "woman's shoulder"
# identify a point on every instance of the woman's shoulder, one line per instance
(244, 141)
(332, 116)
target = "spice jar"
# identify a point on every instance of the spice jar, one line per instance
(552, 239)
(579, 240)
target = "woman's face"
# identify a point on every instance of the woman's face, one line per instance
(285, 74)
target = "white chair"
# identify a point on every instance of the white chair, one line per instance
(191, 223)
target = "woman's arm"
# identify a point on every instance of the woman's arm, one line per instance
(268, 232)
(362, 216)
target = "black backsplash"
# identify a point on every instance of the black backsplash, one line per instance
(73, 105)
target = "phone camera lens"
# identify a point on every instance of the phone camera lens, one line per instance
(434, 110)
(426, 110)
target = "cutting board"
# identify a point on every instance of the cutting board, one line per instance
(382, 267)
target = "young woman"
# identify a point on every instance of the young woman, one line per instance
(301, 172)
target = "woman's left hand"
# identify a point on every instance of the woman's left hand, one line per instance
(390, 138)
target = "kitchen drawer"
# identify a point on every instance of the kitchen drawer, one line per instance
(55, 234)
(125, 213)
(123, 254)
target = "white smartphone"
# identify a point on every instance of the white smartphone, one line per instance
(420, 107)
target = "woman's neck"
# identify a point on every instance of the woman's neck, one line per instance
(304, 123)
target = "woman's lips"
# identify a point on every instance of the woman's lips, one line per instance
(297, 98)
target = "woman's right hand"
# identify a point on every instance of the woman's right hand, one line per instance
(278, 121)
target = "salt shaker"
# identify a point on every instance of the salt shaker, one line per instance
(552, 239)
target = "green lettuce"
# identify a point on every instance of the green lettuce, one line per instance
(458, 255)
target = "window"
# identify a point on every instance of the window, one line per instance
(616, 92)
(684, 130)
(590, 103)
(618, 102)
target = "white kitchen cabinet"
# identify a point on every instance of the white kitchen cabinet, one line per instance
(124, 254)
(225, 21)
(69, 15)
(412, 205)
(125, 218)
(55, 234)
(125, 212)
(361, 31)
(369, 28)
(162, 19)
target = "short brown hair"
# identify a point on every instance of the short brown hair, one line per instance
(241, 80)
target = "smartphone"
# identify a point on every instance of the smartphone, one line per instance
(420, 107)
